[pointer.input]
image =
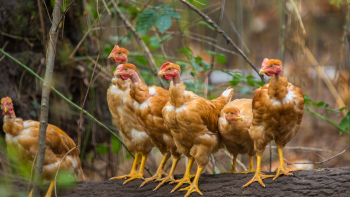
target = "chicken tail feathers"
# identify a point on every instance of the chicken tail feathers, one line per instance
(225, 97)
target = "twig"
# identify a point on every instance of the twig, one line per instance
(15, 37)
(42, 24)
(302, 148)
(228, 39)
(298, 15)
(142, 44)
(106, 7)
(106, 73)
(32, 171)
(59, 166)
(144, 7)
(64, 13)
(320, 162)
(50, 60)
(47, 11)
(222, 9)
(326, 80)
(210, 43)
(235, 30)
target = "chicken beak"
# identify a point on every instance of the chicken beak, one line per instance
(239, 118)
(111, 56)
(262, 71)
(117, 73)
(5, 110)
(161, 73)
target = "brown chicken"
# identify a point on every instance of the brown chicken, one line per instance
(278, 109)
(193, 122)
(122, 108)
(22, 136)
(150, 102)
(234, 123)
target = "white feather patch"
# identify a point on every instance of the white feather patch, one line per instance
(226, 92)
(152, 91)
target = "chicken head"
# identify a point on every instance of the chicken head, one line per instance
(169, 71)
(232, 114)
(7, 106)
(125, 71)
(119, 55)
(271, 67)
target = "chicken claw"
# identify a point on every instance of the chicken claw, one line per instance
(194, 185)
(131, 176)
(158, 175)
(187, 176)
(281, 169)
(170, 178)
(258, 174)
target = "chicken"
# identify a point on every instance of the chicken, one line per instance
(22, 136)
(234, 123)
(150, 102)
(122, 108)
(193, 122)
(278, 109)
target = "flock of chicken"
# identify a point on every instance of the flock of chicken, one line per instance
(176, 122)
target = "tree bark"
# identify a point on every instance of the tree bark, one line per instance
(50, 60)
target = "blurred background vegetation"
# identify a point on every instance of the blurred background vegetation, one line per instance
(311, 37)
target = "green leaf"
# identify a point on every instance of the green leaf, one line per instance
(186, 51)
(307, 99)
(168, 7)
(205, 65)
(33, 113)
(146, 19)
(163, 22)
(234, 82)
(159, 7)
(210, 52)
(36, 105)
(145, 39)
(165, 38)
(115, 145)
(250, 77)
(251, 82)
(221, 59)
(141, 60)
(206, 24)
(345, 123)
(154, 43)
(319, 104)
(173, 14)
(195, 65)
(102, 149)
(65, 179)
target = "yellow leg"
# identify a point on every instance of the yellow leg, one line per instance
(133, 173)
(194, 186)
(160, 172)
(281, 169)
(31, 193)
(258, 174)
(251, 169)
(49, 191)
(233, 169)
(187, 176)
(170, 178)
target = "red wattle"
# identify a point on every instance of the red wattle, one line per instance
(3, 113)
(167, 77)
(124, 77)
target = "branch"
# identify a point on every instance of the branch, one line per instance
(228, 39)
(50, 61)
(65, 11)
(142, 44)
(320, 162)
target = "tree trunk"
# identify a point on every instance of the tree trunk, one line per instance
(50, 60)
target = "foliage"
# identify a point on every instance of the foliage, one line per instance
(160, 15)
(343, 126)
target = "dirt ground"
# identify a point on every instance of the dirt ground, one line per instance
(319, 182)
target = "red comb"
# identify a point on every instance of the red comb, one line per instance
(116, 47)
(163, 66)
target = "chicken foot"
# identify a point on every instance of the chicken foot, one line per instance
(134, 174)
(281, 169)
(170, 178)
(258, 174)
(48, 193)
(160, 172)
(187, 176)
(194, 185)
(233, 169)
(251, 169)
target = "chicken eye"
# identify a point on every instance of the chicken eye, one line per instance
(169, 68)
(126, 69)
(120, 53)
(271, 66)
(231, 113)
